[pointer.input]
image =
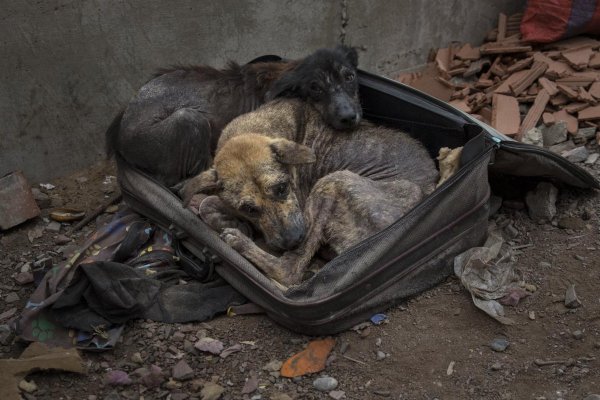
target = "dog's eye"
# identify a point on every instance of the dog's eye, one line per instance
(349, 76)
(281, 190)
(249, 209)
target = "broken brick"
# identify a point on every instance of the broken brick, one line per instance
(567, 91)
(505, 114)
(548, 118)
(589, 113)
(442, 59)
(467, 52)
(548, 85)
(534, 113)
(537, 69)
(502, 22)
(578, 58)
(520, 65)
(584, 95)
(501, 48)
(504, 88)
(571, 121)
(559, 100)
(556, 69)
(595, 61)
(17, 204)
(594, 90)
(575, 107)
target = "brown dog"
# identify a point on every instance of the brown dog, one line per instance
(302, 185)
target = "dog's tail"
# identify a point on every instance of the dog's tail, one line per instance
(112, 135)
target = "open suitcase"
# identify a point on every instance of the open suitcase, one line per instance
(413, 254)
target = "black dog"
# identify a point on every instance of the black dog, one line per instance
(171, 127)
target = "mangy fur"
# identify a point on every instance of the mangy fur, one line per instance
(171, 127)
(347, 187)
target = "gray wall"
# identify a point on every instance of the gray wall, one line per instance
(68, 66)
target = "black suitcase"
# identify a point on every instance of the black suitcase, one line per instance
(413, 254)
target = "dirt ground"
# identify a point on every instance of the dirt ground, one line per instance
(437, 345)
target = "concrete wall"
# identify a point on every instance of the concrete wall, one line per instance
(67, 67)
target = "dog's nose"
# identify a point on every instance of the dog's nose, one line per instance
(349, 119)
(293, 237)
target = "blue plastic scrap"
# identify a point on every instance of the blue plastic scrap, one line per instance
(378, 319)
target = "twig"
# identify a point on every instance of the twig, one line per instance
(522, 246)
(541, 363)
(354, 359)
(99, 210)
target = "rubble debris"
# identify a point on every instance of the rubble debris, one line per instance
(555, 133)
(325, 383)
(571, 299)
(578, 154)
(490, 81)
(541, 202)
(17, 203)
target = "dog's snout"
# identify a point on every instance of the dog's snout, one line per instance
(349, 119)
(292, 237)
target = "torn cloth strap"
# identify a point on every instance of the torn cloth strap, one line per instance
(85, 300)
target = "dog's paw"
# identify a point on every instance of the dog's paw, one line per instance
(236, 239)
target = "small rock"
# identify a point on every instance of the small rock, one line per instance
(325, 383)
(592, 397)
(496, 366)
(574, 223)
(578, 154)
(511, 231)
(273, 366)
(382, 393)
(117, 377)
(23, 278)
(531, 315)
(541, 202)
(92, 397)
(530, 287)
(571, 300)
(562, 147)
(182, 371)
(28, 387)
(26, 267)
(378, 342)
(61, 239)
(380, 355)
(592, 158)
(554, 134)
(280, 396)
(172, 384)
(534, 136)
(11, 297)
(499, 344)
(188, 347)
(178, 337)
(344, 347)
(53, 226)
(6, 335)
(578, 335)
(545, 264)
(211, 391)
(137, 358)
(179, 396)
(209, 345)
(41, 198)
(585, 134)
(251, 384)
(337, 394)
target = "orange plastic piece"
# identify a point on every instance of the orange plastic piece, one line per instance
(310, 360)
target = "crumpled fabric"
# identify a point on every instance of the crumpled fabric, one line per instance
(126, 270)
(488, 273)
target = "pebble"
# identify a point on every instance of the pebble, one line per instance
(137, 358)
(380, 355)
(571, 300)
(26, 267)
(592, 158)
(531, 315)
(211, 391)
(53, 226)
(273, 366)
(574, 223)
(496, 366)
(378, 342)
(499, 344)
(182, 371)
(178, 337)
(545, 264)
(344, 347)
(325, 383)
(61, 239)
(23, 278)
(337, 394)
(578, 335)
(28, 387)
(541, 202)
(578, 154)
(11, 297)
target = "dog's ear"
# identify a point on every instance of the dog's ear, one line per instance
(207, 182)
(286, 84)
(350, 53)
(288, 152)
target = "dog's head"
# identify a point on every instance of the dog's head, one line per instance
(328, 80)
(252, 176)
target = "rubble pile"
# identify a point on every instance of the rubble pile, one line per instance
(547, 95)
